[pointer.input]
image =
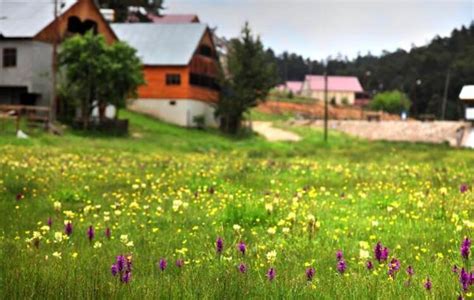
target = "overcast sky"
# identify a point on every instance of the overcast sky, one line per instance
(319, 28)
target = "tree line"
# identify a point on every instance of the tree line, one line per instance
(423, 73)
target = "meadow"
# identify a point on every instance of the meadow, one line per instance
(178, 213)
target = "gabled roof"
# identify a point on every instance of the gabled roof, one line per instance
(294, 86)
(26, 18)
(175, 19)
(467, 92)
(162, 44)
(335, 83)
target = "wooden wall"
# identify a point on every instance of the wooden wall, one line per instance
(156, 88)
(84, 9)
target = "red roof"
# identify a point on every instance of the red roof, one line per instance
(335, 83)
(175, 19)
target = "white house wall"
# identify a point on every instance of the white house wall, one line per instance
(33, 69)
(181, 113)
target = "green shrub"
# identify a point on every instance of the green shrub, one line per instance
(391, 102)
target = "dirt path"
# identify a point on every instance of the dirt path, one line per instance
(273, 134)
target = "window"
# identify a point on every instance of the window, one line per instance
(203, 81)
(9, 57)
(205, 51)
(173, 79)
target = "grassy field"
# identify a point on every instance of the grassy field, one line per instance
(168, 194)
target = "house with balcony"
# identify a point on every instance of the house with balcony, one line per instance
(180, 65)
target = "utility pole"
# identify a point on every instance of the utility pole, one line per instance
(53, 105)
(445, 97)
(326, 103)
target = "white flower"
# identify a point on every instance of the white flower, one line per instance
(271, 230)
(58, 236)
(124, 238)
(57, 205)
(271, 256)
(57, 255)
(97, 245)
(363, 254)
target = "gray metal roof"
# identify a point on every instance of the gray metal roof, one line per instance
(162, 44)
(26, 18)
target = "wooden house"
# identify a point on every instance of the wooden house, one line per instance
(180, 69)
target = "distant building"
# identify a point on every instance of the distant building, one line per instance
(341, 89)
(174, 19)
(27, 33)
(467, 97)
(291, 86)
(180, 68)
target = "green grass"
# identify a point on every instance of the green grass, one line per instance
(172, 191)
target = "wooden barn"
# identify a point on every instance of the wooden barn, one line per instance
(180, 68)
(28, 31)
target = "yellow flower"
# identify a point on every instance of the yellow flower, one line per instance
(57, 255)
(74, 255)
(97, 245)
(271, 230)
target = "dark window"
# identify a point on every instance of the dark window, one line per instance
(173, 79)
(205, 51)
(173, 102)
(203, 80)
(75, 25)
(9, 57)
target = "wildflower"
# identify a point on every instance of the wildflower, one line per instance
(57, 206)
(341, 266)
(162, 264)
(107, 233)
(339, 255)
(242, 268)
(428, 285)
(50, 222)
(464, 279)
(179, 263)
(466, 248)
(242, 247)
(363, 254)
(97, 245)
(410, 271)
(122, 267)
(271, 256)
(310, 273)
(19, 196)
(271, 273)
(90, 233)
(219, 245)
(393, 267)
(114, 269)
(126, 277)
(68, 229)
(380, 252)
(369, 265)
(57, 254)
(463, 188)
(120, 261)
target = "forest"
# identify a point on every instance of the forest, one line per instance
(424, 73)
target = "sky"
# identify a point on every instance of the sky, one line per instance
(321, 28)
